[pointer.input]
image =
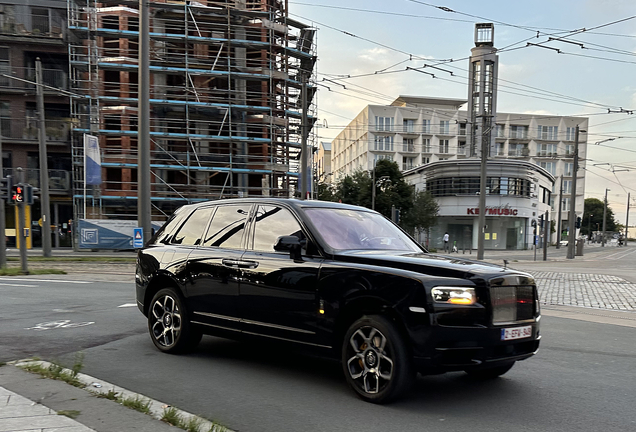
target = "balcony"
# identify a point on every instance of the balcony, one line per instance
(408, 148)
(41, 22)
(26, 129)
(519, 152)
(59, 180)
(546, 154)
(57, 78)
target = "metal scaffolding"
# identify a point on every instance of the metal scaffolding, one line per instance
(225, 100)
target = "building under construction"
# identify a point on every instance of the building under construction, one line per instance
(226, 80)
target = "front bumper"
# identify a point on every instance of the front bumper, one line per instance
(446, 348)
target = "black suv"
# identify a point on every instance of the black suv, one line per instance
(340, 279)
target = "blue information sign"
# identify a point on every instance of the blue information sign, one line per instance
(138, 238)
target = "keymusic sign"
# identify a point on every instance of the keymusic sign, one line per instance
(502, 210)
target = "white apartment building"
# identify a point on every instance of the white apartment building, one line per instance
(415, 131)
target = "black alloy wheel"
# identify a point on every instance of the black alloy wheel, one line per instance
(168, 323)
(376, 361)
(489, 372)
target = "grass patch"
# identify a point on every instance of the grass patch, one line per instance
(56, 371)
(110, 395)
(77, 259)
(193, 424)
(14, 271)
(137, 403)
(171, 416)
(69, 413)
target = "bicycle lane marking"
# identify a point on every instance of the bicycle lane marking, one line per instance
(59, 324)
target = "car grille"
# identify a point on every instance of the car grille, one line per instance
(512, 303)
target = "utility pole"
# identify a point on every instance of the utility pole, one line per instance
(20, 225)
(604, 218)
(303, 131)
(44, 165)
(572, 214)
(589, 226)
(373, 187)
(143, 158)
(3, 222)
(626, 218)
(546, 235)
(558, 243)
(481, 221)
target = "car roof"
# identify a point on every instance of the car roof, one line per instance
(291, 202)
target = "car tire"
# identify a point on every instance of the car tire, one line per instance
(376, 360)
(169, 325)
(489, 372)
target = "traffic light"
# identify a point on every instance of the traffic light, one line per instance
(7, 185)
(541, 221)
(17, 194)
(578, 222)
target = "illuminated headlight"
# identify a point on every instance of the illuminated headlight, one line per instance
(454, 295)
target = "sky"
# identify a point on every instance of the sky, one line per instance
(382, 38)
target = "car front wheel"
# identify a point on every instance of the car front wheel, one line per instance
(376, 361)
(168, 323)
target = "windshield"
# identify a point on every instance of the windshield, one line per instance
(351, 229)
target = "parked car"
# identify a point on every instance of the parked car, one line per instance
(339, 279)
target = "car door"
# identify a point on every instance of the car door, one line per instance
(278, 295)
(214, 269)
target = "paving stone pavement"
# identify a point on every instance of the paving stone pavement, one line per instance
(586, 290)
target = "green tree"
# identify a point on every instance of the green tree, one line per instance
(391, 189)
(594, 207)
(423, 214)
(325, 192)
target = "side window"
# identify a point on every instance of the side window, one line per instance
(191, 232)
(271, 223)
(167, 231)
(227, 226)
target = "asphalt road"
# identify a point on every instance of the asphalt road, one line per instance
(582, 379)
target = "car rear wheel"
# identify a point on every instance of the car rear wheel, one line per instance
(168, 323)
(490, 372)
(376, 361)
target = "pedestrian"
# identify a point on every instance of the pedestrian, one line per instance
(446, 238)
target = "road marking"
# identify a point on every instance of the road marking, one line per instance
(127, 305)
(48, 280)
(59, 324)
(17, 285)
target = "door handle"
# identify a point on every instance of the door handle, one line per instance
(248, 264)
(230, 262)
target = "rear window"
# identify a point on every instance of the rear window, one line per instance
(191, 232)
(167, 231)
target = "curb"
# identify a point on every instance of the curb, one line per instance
(97, 386)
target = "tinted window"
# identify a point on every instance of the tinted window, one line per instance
(167, 231)
(192, 230)
(270, 224)
(227, 226)
(351, 229)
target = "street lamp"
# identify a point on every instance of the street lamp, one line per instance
(604, 218)
(589, 224)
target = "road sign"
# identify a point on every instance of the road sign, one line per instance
(138, 238)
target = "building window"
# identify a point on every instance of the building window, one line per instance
(552, 200)
(462, 129)
(569, 167)
(444, 127)
(461, 148)
(567, 187)
(566, 205)
(569, 150)
(407, 163)
(548, 133)
(384, 124)
(519, 132)
(426, 145)
(547, 150)
(383, 143)
(380, 157)
(499, 149)
(5, 66)
(426, 126)
(549, 167)
(518, 150)
(570, 134)
(408, 125)
(5, 119)
(408, 145)
(499, 131)
(40, 21)
(426, 160)
(443, 146)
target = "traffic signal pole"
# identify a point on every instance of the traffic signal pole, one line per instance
(45, 207)
(572, 214)
(20, 225)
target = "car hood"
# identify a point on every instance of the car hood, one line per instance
(429, 264)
